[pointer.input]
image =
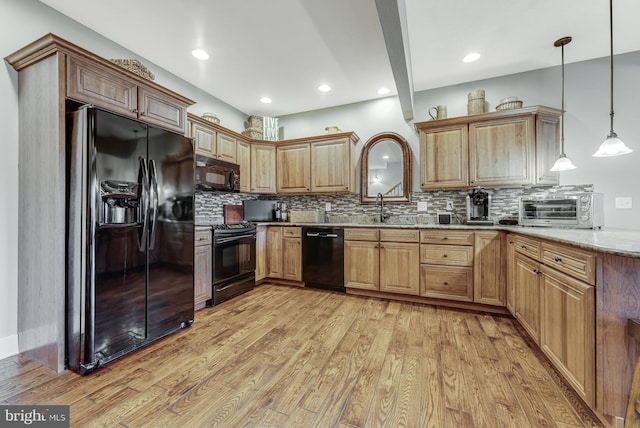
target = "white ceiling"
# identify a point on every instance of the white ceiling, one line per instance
(285, 49)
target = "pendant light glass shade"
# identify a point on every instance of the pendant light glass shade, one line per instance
(612, 145)
(563, 163)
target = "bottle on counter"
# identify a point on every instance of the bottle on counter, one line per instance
(283, 212)
(278, 212)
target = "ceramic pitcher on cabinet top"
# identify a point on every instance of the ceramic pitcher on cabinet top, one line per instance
(440, 112)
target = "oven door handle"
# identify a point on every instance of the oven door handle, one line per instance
(232, 238)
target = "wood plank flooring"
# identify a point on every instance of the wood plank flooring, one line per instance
(288, 357)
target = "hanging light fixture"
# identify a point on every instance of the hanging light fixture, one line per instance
(563, 163)
(612, 145)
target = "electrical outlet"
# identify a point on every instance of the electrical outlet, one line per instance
(624, 203)
(449, 206)
(422, 206)
(327, 206)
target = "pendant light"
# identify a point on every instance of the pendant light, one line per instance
(563, 163)
(612, 145)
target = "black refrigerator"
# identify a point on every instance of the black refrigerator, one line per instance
(130, 236)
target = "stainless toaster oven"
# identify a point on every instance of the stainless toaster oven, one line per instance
(578, 210)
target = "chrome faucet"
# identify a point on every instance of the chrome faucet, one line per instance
(382, 216)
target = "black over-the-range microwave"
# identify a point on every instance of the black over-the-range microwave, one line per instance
(217, 175)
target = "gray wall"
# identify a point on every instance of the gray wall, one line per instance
(586, 121)
(21, 22)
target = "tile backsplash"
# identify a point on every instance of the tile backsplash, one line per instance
(346, 208)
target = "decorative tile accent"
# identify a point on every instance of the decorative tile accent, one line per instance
(346, 208)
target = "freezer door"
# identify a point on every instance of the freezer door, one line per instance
(171, 232)
(118, 176)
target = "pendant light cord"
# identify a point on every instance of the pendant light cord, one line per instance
(562, 114)
(612, 134)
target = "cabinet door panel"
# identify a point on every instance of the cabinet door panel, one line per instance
(292, 258)
(157, 109)
(501, 152)
(261, 252)
(567, 336)
(204, 140)
(547, 149)
(400, 268)
(243, 153)
(293, 171)
(330, 166)
(226, 148)
(489, 268)
(263, 168)
(274, 252)
(527, 295)
(444, 158)
(202, 275)
(95, 85)
(361, 265)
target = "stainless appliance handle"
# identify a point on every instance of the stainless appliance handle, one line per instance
(153, 203)
(233, 238)
(232, 179)
(143, 179)
(313, 234)
(329, 235)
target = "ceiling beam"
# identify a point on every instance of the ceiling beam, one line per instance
(393, 19)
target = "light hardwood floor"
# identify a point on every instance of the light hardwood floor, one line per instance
(285, 356)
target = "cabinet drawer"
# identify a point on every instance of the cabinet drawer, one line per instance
(399, 235)
(292, 232)
(361, 234)
(452, 255)
(572, 261)
(203, 237)
(446, 237)
(446, 282)
(527, 246)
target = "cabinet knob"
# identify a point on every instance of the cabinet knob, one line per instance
(445, 238)
(557, 259)
(445, 283)
(444, 255)
(135, 110)
(536, 271)
(142, 113)
(524, 247)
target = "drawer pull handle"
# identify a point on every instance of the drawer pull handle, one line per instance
(444, 255)
(557, 259)
(524, 247)
(445, 283)
(536, 271)
(445, 238)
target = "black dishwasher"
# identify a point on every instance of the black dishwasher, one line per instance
(323, 257)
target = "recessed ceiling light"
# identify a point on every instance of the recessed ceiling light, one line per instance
(200, 54)
(265, 100)
(383, 91)
(472, 57)
(324, 88)
(385, 157)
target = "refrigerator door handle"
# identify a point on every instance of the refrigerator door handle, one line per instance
(154, 203)
(143, 180)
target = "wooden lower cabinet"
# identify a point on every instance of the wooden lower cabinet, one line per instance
(284, 252)
(203, 268)
(526, 301)
(489, 268)
(261, 253)
(362, 264)
(292, 253)
(510, 282)
(399, 263)
(567, 334)
(274, 252)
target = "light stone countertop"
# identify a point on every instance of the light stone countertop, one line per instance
(621, 242)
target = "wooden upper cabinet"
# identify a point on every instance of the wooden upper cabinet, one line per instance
(547, 148)
(226, 148)
(243, 156)
(505, 148)
(444, 158)
(502, 152)
(204, 140)
(293, 168)
(90, 82)
(263, 168)
(331, 166)
(157, 109)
